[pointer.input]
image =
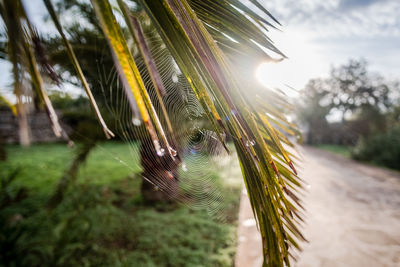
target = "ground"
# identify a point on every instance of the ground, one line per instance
(352, 217)
(353, 214)
(103, 220)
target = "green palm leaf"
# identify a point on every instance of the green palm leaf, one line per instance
(209, 40)
(260, 152)
(129, 73)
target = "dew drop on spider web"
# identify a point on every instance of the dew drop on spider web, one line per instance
(160, 152)
(184, 168)
(136, 121)
(206, 173)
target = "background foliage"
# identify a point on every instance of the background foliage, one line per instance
(357, 108)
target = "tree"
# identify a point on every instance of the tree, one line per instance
(360, 98)
(314, 109)
(199, 37)
(354, 89)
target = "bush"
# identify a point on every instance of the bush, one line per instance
(92, 227)
(382, 149)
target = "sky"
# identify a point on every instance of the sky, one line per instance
(315, 35)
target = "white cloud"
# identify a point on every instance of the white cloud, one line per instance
(318, 34)
(344, 18)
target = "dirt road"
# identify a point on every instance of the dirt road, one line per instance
(353, 216)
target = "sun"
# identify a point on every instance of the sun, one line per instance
(291, 74)
(270, 75)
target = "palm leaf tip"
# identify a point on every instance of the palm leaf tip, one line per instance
(43, 58)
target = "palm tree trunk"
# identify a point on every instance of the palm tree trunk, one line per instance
(3, 151)
(160, 174)
(23, 126)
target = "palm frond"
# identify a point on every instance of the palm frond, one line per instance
(12, 107)
(137, 32)
(233, 19)
(108, 133)
(208, 40)
(265, 164)
(43, 58)
(20, 33)
(130, 76)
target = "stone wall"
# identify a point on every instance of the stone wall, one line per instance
(40, 127)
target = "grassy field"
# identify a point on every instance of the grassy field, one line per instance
(103, 220)
(344, 151)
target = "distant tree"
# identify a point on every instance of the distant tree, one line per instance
(393, 113)
(313, 110)
(360, 95)
(354, 89)
(360, 98)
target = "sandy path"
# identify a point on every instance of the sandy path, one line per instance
(353, 216)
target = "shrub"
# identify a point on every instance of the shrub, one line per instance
(382, 149)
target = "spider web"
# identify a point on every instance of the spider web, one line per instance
(203, 164)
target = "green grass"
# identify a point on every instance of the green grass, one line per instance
(42, 165)
(344, 151)
(103, 220)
